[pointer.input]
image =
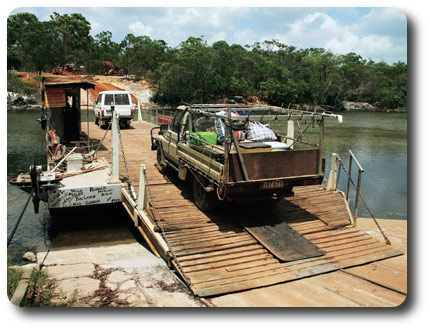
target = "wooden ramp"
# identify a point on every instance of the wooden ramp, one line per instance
(214, 254)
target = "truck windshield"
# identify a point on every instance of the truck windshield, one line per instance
(121, 99)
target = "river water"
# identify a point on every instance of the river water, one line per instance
(379, 140)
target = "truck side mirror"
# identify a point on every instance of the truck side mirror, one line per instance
(163, 129)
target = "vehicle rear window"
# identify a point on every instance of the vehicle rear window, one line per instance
(99, 99)
(121, 99)
(108, 99)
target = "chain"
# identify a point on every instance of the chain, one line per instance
(387, 241)
(129, 183)
(163, 233)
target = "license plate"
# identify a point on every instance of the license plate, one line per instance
(272, 184)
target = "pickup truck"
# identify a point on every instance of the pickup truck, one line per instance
(225, 165)
(121, 101)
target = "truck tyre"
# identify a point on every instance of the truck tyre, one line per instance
(162, 165)
(96, 120)
(204, 200)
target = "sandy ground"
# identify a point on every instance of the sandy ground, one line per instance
(140, 89)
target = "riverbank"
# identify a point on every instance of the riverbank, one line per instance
(22, 83)
(129, 275)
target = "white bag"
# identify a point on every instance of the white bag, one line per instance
(258, 132)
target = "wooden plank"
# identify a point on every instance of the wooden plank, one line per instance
(213, 249)
(218, 260)
(279, 277)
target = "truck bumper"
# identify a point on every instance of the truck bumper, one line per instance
(268, 187)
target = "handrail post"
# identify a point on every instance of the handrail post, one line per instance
(357, 196)
(142, 198)
(290, 134)
(139, 111)
(114, 172)
(349, 178)
(332, 178)
(321, 146)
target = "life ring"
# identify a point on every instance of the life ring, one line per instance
(53, 137)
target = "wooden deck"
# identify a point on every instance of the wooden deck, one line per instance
(214, 254)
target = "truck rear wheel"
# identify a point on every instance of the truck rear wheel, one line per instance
(204, 200)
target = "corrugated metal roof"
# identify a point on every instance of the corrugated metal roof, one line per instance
(63, 81)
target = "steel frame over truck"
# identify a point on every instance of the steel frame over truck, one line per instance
(227, 171)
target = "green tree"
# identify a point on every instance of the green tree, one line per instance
(74, 33)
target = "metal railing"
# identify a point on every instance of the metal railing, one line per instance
(357, 187)
(152, 115)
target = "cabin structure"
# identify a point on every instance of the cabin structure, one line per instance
(62, 99)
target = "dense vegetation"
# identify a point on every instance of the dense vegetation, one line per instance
(195, 71)
(29, 87)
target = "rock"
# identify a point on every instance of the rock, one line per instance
(69, 271)
(118, 277)
(128, 285)
(30, 257)
(111, 286)
(94, 301)
(358, 106)
(133, 300)
(20, 100)
(83, 286)
(30, 267)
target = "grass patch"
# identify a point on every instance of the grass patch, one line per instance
(13, 277)
(41, 291)
(41, 288)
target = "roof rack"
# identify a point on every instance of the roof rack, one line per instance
(255, 112)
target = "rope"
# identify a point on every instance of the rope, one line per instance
(129, 183)
(301, 133)
(9, 239)
(101, 141)
(387, 241)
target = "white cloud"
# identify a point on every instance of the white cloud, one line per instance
(140, 29)
(245, 36)
(321, 30)
(216, 37)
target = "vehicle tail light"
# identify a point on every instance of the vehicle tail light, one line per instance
(132, 111)
(103, 113)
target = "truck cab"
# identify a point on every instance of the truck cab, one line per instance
(120, 101)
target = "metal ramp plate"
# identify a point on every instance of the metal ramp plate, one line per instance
(282, 241)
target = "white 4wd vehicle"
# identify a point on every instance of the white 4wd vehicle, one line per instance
(119, 100)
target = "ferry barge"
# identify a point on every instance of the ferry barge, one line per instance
(73, 176)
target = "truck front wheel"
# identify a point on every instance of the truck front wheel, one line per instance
(161, 161)
(204, 200)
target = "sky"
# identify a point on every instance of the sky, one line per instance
(379, 33)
